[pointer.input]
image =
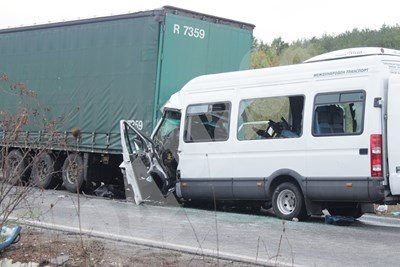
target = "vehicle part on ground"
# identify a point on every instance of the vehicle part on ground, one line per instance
(9, 236)
(339, 220)
(73, 172)
(109, 191)
(353, 210)
(288, 202)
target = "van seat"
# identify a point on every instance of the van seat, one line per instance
(328, 120)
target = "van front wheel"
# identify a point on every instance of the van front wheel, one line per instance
(288, 202)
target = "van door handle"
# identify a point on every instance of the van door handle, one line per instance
(363, 151)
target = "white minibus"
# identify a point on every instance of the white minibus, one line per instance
(324, 134)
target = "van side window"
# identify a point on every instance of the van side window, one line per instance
(207, 122)
(272, 117)
(338, 113)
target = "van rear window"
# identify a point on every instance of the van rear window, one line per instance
(270, 118)
(207, 122)
(339, 113)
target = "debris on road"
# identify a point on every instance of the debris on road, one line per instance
(339, 220)
(9, 236)
(60, 260)
(382, 208)
(109, 191)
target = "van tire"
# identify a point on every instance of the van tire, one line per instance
(73, 173)
(288, 202)
(15, 167)
(44, 171)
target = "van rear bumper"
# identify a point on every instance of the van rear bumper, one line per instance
(355, 189)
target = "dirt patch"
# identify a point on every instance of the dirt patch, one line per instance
(41, 246)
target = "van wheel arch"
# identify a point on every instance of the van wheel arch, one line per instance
(283, 176)
(280, 180)
(294, 185)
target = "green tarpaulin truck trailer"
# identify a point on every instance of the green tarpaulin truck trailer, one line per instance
(82, 77)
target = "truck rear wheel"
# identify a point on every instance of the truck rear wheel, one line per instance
(44, 171)
(15, 167)
(73, 172)
(288, 202)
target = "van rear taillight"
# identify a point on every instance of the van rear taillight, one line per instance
(376, 155)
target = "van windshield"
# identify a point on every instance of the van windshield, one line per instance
(169, 127)
(167, 141)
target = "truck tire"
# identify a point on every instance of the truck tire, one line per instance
(288, 202)
(15, 167)
(351, 210)
(73, 173)
(44, 171)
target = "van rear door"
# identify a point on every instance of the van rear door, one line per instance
(393, 134)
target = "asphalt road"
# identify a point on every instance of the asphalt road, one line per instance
(371, 241)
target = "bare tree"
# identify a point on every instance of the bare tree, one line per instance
(26, 160)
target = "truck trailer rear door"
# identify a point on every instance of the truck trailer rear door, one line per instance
(393, 134)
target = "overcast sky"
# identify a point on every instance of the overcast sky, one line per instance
(290, 19)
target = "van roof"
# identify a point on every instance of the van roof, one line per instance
(316, 69)
(354, 52)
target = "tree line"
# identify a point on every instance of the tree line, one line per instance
(279, 52)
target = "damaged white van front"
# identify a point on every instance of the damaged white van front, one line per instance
(150, 164)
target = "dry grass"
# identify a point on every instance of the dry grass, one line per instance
(41, 246)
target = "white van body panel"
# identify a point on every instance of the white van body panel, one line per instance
(231, 160)
(331, 161)
(394, 134)
(353, 52)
